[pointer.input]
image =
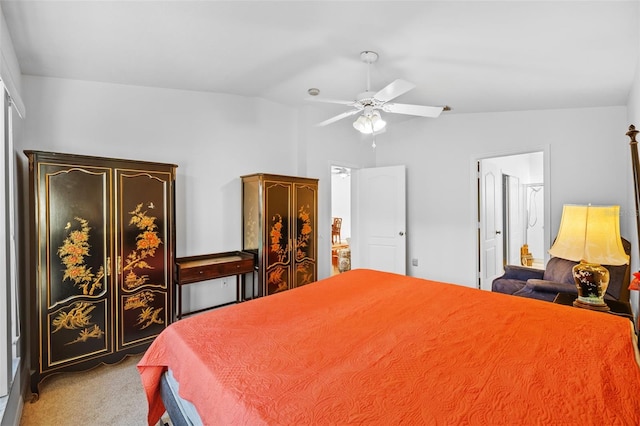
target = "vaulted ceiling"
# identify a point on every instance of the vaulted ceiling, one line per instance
(476, 56)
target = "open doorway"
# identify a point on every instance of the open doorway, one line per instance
(340, 219)
(511, 210)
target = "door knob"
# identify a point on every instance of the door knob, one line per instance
(401, 233)
(498, 232)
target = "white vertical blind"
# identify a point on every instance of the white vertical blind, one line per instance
(13, 257)
(10, 103)
(5, 314)
(9, 307)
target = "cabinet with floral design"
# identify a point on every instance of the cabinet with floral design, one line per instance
(279, 226)
(102, 255)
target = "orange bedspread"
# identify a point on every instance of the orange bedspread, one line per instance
(368, 347)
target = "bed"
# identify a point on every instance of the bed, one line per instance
(368, 347)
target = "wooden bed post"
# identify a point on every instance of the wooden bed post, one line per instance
(636, 186)
(636, 169)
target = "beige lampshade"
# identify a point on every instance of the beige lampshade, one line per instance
(590, 233)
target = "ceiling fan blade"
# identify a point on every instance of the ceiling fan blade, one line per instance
(421, 110)
(393, 90)
(338, 117)
(332, 101)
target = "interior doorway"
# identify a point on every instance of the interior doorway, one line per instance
(340, 219)
(511, 214)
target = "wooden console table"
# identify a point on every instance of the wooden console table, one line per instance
(205, 267)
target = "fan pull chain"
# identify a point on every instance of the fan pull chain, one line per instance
(373, 136)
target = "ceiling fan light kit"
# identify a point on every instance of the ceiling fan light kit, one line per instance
(370, 103)
(369, 123)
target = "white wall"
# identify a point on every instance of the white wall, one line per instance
(213, 138)
(216, 138)
(588, 164)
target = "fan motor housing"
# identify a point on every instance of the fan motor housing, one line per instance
(367, 99)
(368, 56)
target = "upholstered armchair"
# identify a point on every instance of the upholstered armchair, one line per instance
(558, 278)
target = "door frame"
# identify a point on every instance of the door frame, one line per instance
(490, 232)
(509, 230)
(352, 167)
(475, 200)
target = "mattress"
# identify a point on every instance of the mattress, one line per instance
(181, 412)
(368, 347)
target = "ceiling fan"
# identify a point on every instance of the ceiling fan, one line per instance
(371, 103)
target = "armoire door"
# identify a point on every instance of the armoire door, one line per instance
(143, 254)
(278, 236)
(305, 247)
(74, 300)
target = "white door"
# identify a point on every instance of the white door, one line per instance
(514, 227)
(490, 223)
(379, 219)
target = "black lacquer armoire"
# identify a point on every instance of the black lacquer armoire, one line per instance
(279, 225)
(102, 259)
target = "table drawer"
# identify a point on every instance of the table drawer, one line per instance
(188, 274)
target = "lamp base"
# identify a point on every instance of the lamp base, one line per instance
(593, 306)
(591, 281)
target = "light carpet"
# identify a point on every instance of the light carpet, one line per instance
(105, 395)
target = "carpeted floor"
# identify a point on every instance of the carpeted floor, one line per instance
(106, 395)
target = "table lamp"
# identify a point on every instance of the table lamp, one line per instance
(590, 235)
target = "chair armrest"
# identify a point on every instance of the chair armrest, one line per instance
(551, 286)
(522, 273)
